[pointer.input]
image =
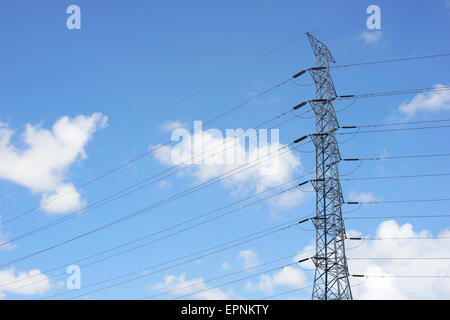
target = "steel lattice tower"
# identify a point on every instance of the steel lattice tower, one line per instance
(331, 276)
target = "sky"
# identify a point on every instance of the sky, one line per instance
(76, 103)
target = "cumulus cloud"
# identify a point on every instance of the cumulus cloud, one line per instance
(266, 165)
(179, 285)
(42, 164)
(433, 101)
(287, 277)
(249, 258)
(26, 283)
(371, 37)
(400, 288)
(391, 287)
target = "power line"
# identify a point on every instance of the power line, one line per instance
(398, 157)
(354, 97)
(203, 250)
(398, 217)
(258, 266)
(153, 234)
(390, 60)
(202, 90)
(184, 222)
(389, 258)
(228, 244)
(360, 160)
(144, 210)
(167, 229)
(398, 276)
(215, 287)
(398, 177)
(398, 258)
(394, 124)
(214, 83)
(393, 93)
(153, 150)
(391, 130)
(237, 280)
(398, 238)
(128, 162)
(59, 221)
(222, 276)
(125, 191)
(286, 292)
(422, 175)
(398, 201)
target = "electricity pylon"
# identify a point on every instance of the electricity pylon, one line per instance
(331, 276)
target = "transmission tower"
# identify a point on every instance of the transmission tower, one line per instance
(331, 275)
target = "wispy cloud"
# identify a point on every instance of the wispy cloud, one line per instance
(427, 102)
(371, 37)
(249, 258)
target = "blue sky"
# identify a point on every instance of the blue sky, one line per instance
(136, 67)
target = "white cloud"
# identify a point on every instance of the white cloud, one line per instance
(400, 288)
(361, 197)
(26, 283)
(271, 167)
(168, 126)
(180, 286)
(371, 37)
(427, 102)
(43, 163)
(289, 276)
(249, 258)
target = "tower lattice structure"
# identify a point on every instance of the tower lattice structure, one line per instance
(331, 280)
